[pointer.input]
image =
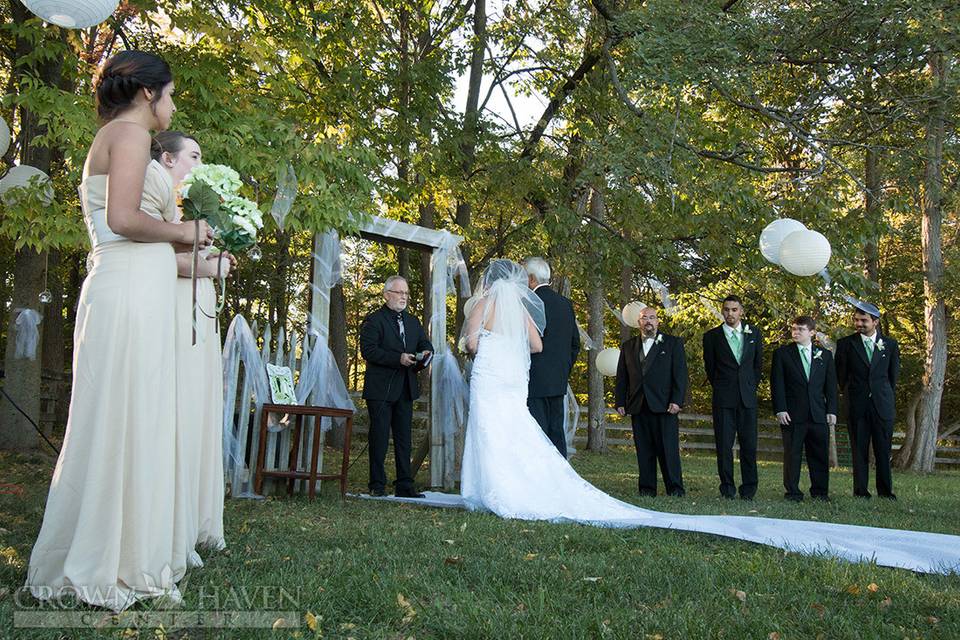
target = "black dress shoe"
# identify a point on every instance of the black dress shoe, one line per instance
(377, 493)
(408, 493)
(793, 498)
(888, 496)
(821, 498)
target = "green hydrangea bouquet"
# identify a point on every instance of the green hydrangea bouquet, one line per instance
(211, 192)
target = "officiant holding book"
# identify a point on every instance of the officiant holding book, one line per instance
(395, 347)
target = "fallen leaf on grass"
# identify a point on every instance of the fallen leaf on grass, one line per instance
(453, 560)
(933, 619)
(773, 635)
(450, 541)
(279, 623)
(873, 587)
(311, 621)
(347, 626)
(531, 556)
(463, 527)
(853, 590)
(655, 636)
(409, 611)
(739, 595)
(819, 608)
(886, 602)
(593, 579)
(520, 608)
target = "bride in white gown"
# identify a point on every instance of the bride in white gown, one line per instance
(511, 468)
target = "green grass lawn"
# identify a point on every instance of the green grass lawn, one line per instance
(366, 569)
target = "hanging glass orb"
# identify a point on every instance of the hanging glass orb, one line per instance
(254, 253)
(46, 297)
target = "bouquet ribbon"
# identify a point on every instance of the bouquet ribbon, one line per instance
(194, 265)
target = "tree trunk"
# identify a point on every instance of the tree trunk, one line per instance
(403, 264)
(626, 295)
(596, 403)
(22, 376)
(934, 307)
(871, 255)
(278, 290)
(468, 146)
(901, 458)
(338, 346)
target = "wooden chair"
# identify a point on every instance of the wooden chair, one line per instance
(293, 473)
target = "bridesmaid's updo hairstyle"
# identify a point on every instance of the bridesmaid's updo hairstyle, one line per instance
(168, 142)
(123, 75)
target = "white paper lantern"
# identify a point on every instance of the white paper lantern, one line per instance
(4, 136)
(773, 234)
(72, 14)
(805, 253)
(20, 176)
(607, 361)
(631, 313)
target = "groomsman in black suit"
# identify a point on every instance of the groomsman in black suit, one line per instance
(733, 357)
(803, 383)
(550, 369)
(651, 387)
(392, 342)
(868, 365)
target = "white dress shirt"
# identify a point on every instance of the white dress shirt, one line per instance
(647, 345)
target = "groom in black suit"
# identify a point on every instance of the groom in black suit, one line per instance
(550, 369)
(733, 357)
(868, 366)
(392, 342)
(651, 387)
(803, 384)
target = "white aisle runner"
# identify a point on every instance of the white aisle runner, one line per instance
(913, 550)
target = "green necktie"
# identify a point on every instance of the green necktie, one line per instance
(736, 345)
(805, 357)
(868, 345)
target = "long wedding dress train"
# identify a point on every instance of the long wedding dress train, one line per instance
(511, 468)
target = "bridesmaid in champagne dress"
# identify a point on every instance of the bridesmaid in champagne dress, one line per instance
(199, 374)
(108, 533)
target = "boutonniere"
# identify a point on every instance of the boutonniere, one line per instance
(659, 338)
(880, 346)
(746, 330)
(817, 354)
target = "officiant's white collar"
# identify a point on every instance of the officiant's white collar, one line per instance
(542, 284)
